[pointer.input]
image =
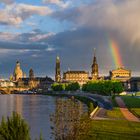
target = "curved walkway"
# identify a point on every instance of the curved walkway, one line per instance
(127, 114)
(101, 101)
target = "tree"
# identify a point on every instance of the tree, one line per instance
(15, 128)
(117, 87)
(72, 86)
(104, 87)
(58, 87)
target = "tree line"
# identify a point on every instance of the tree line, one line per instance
(103, 87)
(65, 86)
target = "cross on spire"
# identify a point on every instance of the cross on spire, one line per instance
(94, 51)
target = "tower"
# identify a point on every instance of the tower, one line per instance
(31, 74)
(57, 70)
(17, 72)
(94, 67)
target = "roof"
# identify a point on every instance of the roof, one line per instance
(75, 72)
(120, 70)
(39, 79)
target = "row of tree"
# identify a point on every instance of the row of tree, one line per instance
(104, 87)
(65, 86)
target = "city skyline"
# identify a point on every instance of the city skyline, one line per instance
(36, 32)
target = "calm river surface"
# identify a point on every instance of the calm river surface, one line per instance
(38, 109)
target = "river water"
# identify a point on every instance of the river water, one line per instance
(41, 112)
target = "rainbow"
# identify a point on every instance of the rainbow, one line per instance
(117, 60)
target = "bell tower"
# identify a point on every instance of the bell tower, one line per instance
(95, 72)
(31, 74)
(57, 70)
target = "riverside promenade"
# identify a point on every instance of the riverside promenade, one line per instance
(103, 104)
(101, 101)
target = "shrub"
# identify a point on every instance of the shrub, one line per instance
(15, 128)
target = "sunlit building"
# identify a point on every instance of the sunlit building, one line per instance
(6, 83)
(18, 73)
(76, 76)
(120, 74)
(83, 77)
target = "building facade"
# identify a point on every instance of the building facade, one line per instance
(18, 73)
(6, 83)
(120, 74)
(76, 76)
(83, 77)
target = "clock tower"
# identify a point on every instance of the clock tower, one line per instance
(95, 72)
(57, 70)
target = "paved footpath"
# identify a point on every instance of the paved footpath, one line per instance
(100, 115)
(127, 114)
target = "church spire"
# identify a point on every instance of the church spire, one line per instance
(57, 70)
(94, 72)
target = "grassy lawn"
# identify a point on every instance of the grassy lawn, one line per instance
(133, 104)
(114, 130)
(115, 113)
(137, 93)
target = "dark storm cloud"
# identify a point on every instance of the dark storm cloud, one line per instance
(94, 26)
(106, 19)
(29, 50)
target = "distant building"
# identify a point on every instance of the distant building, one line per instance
(57, 70)
(83, 77)
(134, 84)
(120, 74)
(6, 83)
(31, 74)
(18, 73)
(37, 82)
(76, 76)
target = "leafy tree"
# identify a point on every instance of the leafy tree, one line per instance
(72, 86)
(58, 87)
(65, 86)
(117, 87)
(105, 87)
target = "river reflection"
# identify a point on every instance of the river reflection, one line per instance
(44, 113)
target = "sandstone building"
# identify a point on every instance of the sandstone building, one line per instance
(120, 74)
(76, 76)
(82, 77)
(18, 73)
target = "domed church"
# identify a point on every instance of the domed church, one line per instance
(18, 73)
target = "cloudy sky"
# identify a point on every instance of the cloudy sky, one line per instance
(35, 31)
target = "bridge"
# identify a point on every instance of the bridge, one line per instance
(9, 90)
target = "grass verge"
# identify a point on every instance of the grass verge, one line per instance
(114, 130)
(115, 113)
(133, 104)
